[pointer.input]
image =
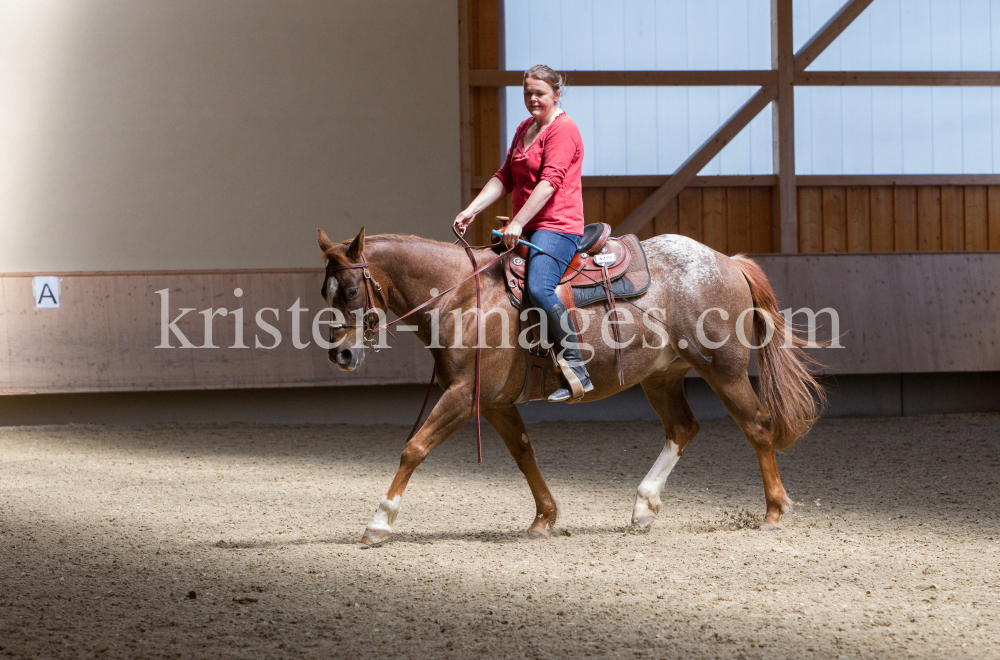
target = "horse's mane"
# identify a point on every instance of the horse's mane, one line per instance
(334, 253)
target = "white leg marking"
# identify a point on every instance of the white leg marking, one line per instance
(524, 439)
(647, 497)
(385, 516)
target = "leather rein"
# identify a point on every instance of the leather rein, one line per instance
(369, 321)
(371, 328)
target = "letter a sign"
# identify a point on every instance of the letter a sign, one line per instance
(46, 291)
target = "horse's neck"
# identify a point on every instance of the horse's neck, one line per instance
(413, 266)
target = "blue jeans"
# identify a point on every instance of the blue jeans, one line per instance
(544, 271)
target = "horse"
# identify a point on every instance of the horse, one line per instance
(687, 278)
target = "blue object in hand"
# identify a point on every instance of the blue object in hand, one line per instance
(497, 232)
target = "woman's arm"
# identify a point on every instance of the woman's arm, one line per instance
(499, 185)
(493, 191)
(538, 198)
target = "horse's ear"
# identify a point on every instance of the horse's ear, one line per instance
(325, 244)
(358, 246)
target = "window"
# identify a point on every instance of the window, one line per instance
(877, 130)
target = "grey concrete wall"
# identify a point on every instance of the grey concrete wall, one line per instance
(193, 134)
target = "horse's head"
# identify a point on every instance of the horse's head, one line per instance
(348, 288)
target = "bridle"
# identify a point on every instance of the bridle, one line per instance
(370, 326)
(369, 318)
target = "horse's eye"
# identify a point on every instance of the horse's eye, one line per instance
(352, 293)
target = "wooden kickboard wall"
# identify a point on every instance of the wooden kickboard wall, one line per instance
(899, 313)
(104, 336)
(832, 219)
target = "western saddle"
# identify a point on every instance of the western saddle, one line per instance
(597, 267)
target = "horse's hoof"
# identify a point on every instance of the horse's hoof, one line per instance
(772, 527)
(536, 534)
(375, 536)
(642, 523)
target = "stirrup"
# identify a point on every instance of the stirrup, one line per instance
(576, 388)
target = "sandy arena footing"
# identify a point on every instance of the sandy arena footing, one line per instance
(243, 541)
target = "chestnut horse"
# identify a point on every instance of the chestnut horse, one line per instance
(687, 279)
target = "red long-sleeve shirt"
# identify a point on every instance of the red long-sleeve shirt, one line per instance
(555, 156)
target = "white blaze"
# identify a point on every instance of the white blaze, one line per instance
(331, 291)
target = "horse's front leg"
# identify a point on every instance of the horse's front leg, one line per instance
(451, 412)
(508, 423)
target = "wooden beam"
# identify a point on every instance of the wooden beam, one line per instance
(899, 180)
(657, 180)
(646, 211)
(465, 119)
(833, 29)
(783, 121)
(899, 78)
(770, 180)
(489, 78)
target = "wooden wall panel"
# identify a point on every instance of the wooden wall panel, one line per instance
(690, 214)
(883, 229)
(976, 221)
(667, 220)
(484, 102)
(713, 205)
(952, 218)
(904, 200)
(834, 219)
(938, 298)
(859, 220)
(637, 196)
(616, 205)
(593, 204)
(855, 218)
(810, 219)
(993, 205)
(738, 221)
(762, 226)
(103, 338)
(928, 218)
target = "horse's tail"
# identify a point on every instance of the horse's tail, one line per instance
(790, 394)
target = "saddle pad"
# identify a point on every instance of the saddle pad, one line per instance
(629, 278)
(634, 282)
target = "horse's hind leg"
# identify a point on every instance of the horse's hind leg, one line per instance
(742, 403)
(508, 423)
(452, 410)
(665, 392)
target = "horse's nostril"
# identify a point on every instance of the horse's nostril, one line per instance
(344, 356)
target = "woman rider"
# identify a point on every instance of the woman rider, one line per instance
(543, 170)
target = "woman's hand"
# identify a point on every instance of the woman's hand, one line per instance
(511, 233)
(462, 221)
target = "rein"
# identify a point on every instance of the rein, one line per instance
(368, 321)
(371, 328)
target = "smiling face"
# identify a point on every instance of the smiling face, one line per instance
(539, 98)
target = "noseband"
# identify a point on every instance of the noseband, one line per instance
(369, 320)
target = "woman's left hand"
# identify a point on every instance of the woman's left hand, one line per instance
(511, 233)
